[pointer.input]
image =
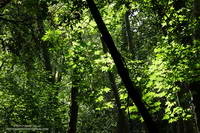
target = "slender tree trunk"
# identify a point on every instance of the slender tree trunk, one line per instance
(196, 14)
(122, 123)
(195, 124)
(187, 125)
(123, 72)
(43, 45)
(131, 46)
(195, 88)
(76, 81)
(179, 123)
(124, 46)
(74, 105)
(195, 85)
(46, 59)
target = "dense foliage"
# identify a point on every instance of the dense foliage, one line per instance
(56, 71)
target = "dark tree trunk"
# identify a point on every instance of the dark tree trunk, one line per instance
(195, 88)
(186, 102)
(195, 85)
(122, 123)
(196, 14)
(74, 104)
(123, 72)
(73, 108)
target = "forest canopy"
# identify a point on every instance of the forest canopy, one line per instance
(100, 66)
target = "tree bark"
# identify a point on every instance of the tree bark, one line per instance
(122, 123)
(131, 46)
(73, 109)
(74, 104)
(195, 88)
(195, 85)
(191, 124)
(123, 72)
(46, 59)
(196, 14)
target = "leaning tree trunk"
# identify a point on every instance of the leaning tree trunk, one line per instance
(123, 72)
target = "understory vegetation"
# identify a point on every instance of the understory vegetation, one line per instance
(102, 66)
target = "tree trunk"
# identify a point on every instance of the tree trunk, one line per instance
(74, 107)
(195, 88)
(46, 59)
(122, 123)
(131, 46)
(195, 85)
(123, 72)
(196, 14)
(74, 93)
(43, 45)
(187, 125)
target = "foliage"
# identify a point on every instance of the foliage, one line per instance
(165, 63)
